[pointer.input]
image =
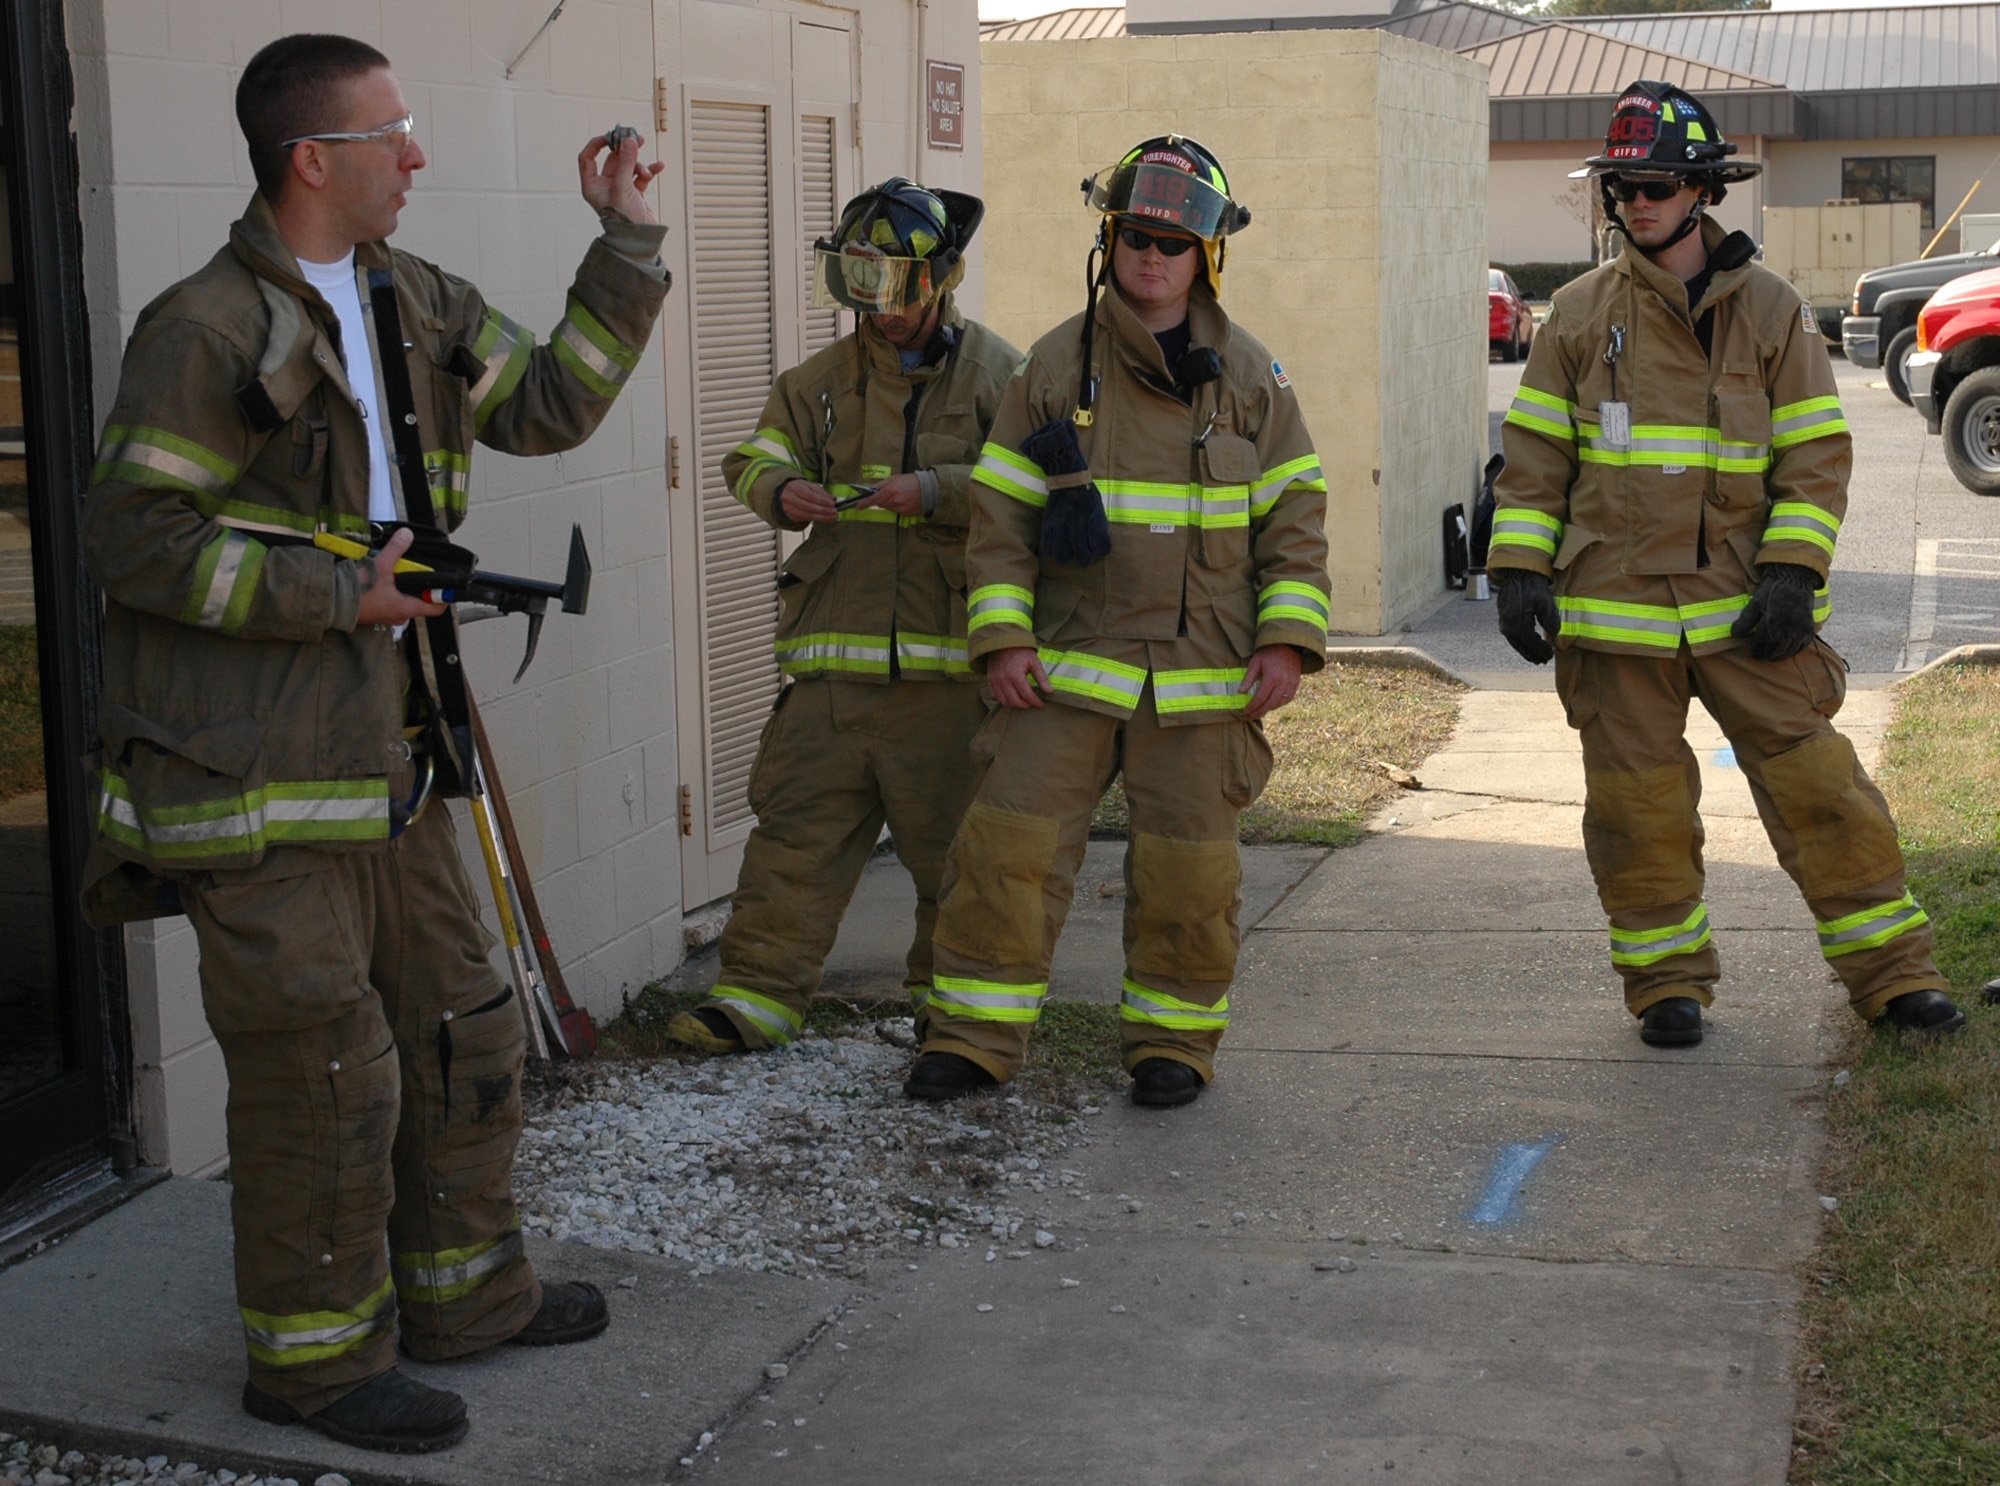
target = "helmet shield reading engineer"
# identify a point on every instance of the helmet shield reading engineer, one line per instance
(896, 246)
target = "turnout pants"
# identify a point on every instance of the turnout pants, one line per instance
(838, 758)
(1012, 872)
(374, 1089)
(1827, 822)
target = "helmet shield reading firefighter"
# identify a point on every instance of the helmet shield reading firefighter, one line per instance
(1174, 183)
(1661, 133)
(897, 246)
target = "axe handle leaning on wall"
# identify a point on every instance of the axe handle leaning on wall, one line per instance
(578, 1035)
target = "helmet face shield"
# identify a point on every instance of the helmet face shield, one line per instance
(1159, 187)
(869, 281)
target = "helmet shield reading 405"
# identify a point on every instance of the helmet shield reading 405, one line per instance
(862, 278)
(1165, 186)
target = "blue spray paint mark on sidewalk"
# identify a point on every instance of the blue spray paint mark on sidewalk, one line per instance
(1725, 758)
(1510, 1174)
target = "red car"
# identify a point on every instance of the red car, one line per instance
(1955, 376)
(1510, 324)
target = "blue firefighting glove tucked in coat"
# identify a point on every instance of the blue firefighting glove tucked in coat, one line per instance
(1780, 613)
(1525, 601)
(1075, 533)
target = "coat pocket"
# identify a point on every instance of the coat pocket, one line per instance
(1230, 470)
(804, 581)
(1744, 420)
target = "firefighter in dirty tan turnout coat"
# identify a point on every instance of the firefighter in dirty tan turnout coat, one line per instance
(881, 704)
(1154, 658)
(254, 748)
(1678, 462)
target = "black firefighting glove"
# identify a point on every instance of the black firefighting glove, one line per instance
(1526, 601)
(1780, 613)
(1075, 533)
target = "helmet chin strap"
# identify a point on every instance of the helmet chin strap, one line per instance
(1690, 223)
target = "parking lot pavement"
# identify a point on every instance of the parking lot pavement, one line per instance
(1917, 570)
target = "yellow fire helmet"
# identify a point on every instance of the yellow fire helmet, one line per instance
(896, 245)
(1174, 182)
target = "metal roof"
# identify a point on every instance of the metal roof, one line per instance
(1827, 51)
(1561, 61)
(1454, 26)
(1080, 23)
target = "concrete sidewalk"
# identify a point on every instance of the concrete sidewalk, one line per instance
(1441, 1215)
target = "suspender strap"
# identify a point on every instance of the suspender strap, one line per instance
(435, 667)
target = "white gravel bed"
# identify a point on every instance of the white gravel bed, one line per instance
(29, 1462)
(807, 1160)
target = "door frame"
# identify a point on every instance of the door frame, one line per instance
(85, 1116)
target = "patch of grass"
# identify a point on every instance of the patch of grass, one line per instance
(1900, 1364)
(1327, 743)
(20, 712)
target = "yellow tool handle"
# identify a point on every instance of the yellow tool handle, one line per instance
(326, 541)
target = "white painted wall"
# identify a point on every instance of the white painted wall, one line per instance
(586, 743)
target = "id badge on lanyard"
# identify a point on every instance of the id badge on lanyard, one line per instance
(1614, 418)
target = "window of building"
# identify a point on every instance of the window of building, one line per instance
(1892, 178)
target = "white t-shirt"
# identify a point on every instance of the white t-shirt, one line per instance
(335, 282)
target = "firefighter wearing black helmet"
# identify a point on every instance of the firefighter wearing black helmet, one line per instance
(1677, 471)
(1148, 578)
(868, 446)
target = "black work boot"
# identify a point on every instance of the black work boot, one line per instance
(1930, 1012)
(1990, 992)
(939, 1076)
(388, 1412)
(1674, 1022)
(571, 1311)
(1164, 1083)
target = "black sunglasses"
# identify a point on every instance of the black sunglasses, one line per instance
(1138, 242)
(1623, 189)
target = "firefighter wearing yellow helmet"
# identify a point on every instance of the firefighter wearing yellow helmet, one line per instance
(1147, 574)
(1676, 475)
(867, 446)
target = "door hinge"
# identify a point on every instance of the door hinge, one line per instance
(661, 114)
(687, 809)
(674, 462)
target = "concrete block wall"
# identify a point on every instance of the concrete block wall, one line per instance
(1433, 117)
(586, 743)
(1352, 149)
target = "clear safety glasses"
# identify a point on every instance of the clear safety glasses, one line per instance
(862, 278)
(397, 135)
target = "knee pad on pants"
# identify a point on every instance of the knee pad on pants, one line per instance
(1845, 837)
(992, 911)
(1180, 920)
(1638, 831)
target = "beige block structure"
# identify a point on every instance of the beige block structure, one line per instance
(1363, 157)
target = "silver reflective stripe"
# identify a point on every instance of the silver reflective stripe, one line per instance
(253, 822)
(1118, 505)
(1583, 611)
(1895, 916)
(571, 335)
(1153, 1007)
(1075, 668)
(223, 582)
(1169, 691)
(943, 655)
(325, 1336)
(452, 1276)
(1030, 998)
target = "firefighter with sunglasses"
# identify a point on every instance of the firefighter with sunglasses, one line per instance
(1677, 469)
(868, 446)
(1148, 578)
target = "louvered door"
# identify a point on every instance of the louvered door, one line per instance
(735, 334)
(819, 209)
(767, 100)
